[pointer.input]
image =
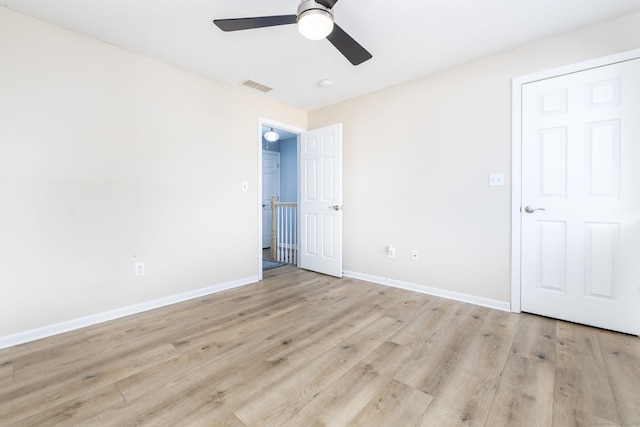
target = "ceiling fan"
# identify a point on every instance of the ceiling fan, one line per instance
(315, 22)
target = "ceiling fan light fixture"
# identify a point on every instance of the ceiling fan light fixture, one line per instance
(315, 21)
(271, 136)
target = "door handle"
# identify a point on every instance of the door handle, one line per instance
(264, 206)
(335, 207)
(529, 209)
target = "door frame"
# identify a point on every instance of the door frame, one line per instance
(516, 154)
(263, 121)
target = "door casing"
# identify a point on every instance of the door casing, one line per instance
(516, 159)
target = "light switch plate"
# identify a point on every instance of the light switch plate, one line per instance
(245, 186)
(496, 180)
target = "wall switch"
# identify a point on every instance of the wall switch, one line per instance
(139, 269)
(414, 255)
(392, 252)
(245, 186)
(496, 180)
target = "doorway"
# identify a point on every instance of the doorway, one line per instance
(282, 158)
(319, 196)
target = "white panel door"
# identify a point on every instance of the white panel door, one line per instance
(270, 187)
(581, 197)
(321, 200)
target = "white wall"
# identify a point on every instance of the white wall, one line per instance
(417, 159)
(108, 157)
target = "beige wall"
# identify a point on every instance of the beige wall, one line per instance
(417, 159)
(107, 157)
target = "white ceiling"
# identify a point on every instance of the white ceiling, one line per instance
(408, 39)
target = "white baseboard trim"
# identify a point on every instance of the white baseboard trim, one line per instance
(457, 296)
(70, 325)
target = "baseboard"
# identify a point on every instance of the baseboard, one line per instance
(457, 296)
(70, 325)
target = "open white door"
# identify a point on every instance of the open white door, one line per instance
(581, 197)
(321, 200)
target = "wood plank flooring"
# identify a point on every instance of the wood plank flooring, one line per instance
(303, 349)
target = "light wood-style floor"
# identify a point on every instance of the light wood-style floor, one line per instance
(302, 349)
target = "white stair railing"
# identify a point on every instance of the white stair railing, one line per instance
(284, 231)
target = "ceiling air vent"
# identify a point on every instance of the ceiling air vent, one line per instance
(257, 86)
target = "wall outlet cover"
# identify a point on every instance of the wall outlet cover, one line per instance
(496, 180)
(139, 269)
(391, 252)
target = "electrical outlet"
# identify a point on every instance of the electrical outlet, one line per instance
(139, 269)
(496, 180)
(414, 255)
(392, 252)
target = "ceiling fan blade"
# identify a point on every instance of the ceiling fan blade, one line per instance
(257, 22)
(327, 3)
(350, 48)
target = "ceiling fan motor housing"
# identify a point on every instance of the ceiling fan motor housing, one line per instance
(310, 5)
(315, 21)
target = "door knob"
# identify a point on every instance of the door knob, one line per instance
(264, 206)
(529, 209)
(335, 207)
